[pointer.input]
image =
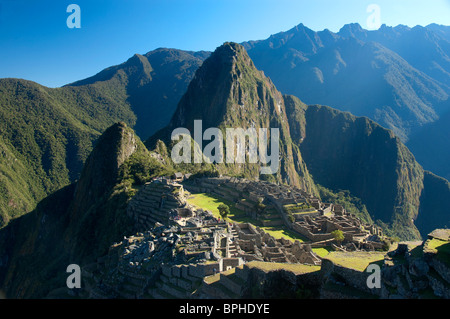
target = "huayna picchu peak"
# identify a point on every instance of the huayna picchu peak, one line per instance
(227, 91)
(274, 168)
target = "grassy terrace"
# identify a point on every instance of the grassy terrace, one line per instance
(434, 245)
(299, 209)
(214, 278)
(439, 247)
(295, 268)
(355, 260)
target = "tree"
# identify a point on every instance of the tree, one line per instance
(260, 207)
(224, 210)
(291, 217)
(338, 235)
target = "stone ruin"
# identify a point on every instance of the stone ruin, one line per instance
(154, 203)
(252, 243)
(312, 219)
(178, 245)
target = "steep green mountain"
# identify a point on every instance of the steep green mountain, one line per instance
(354, 153)
(353, 73)
(229, 92)
(344, 152)
(77, 223)
(47, 133)
(43, 143)
(153, 84)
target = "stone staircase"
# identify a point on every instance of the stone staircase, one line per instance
(232, 248)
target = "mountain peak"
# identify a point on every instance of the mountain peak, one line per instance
(302, 27)
(230, 47)
(101, 169)
(229, 52)
(212, 86)
(352, 26)
(351, 30)
(402, 28)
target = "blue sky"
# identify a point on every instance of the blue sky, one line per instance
(36, 44)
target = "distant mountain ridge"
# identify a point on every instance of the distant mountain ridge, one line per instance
(425, 48)
(440, 29)
(398, 76)
(353, 72)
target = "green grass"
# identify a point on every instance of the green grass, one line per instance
(439, 247)
(280, 231)
(433, 245)
(355, 260)
(296, 268)
(321, 252)
(211, 202)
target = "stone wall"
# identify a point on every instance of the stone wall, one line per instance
(353, 278)
(226, 263)
(313, 237)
